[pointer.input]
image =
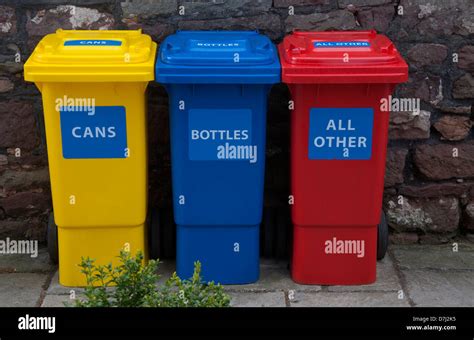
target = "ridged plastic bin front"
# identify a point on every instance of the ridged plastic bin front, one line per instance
(95, 123)
(217, 122)
(339, 134)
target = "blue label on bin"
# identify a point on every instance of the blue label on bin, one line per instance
(340, 133)
(94, 42)
(216, 135)
(94, 132)
(224, 44)
(341, 44)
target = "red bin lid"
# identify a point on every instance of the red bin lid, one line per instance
(341, 57)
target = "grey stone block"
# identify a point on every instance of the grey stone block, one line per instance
(268, 24)
(58, 300)
(273, 278)
(212, 9)
(428, 288)
(248, 299)
(345, 3)
(348, 299)
(439, 257)
(21, 289)
(147, 8)
(24, 263)
(340, 19)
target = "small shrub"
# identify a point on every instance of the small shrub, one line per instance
(133, 284)
(191, 293)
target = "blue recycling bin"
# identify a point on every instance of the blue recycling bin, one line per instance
(218, 83)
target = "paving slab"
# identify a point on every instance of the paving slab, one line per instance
(24, 263)
(433, 275)
(439, 257)
(21, 289)
(274, 276)
(58, 300)
(260, 299)
(429, 288)
(238, 299)
(347, 299)
(387, 280)
(272, 279)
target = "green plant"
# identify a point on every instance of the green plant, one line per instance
(133, 284)
(191, 293)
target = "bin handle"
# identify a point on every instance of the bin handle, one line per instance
(169, 46)
(264, 47)
(388, 49)
(296, 46)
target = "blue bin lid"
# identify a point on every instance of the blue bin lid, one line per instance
(217, 57)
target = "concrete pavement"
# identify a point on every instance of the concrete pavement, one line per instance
(413, 275)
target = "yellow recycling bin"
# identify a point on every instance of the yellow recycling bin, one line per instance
(93, 86)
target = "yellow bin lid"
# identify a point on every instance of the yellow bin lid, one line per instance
(92, 56)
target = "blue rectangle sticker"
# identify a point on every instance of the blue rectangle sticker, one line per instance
(93, 42)
(341, 44)
(216, 134)
(340, 133)
(100, 132)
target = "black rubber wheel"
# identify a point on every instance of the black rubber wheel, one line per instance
(382, 237)
(52, 239)
(153, 234)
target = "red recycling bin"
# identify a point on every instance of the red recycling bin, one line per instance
(339, 82)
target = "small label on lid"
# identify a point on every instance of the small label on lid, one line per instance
(341, 44)
(215, 44)
(100, 42)
(204, 44)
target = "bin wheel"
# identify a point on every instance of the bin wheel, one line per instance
(52, 239)
(382, 237)
(153, 234)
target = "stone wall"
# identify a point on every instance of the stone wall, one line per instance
(429, 194)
